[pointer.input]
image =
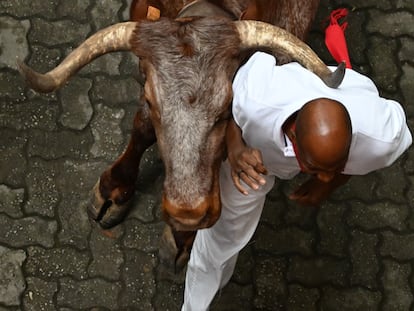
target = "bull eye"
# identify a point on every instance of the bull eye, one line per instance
(223, 116)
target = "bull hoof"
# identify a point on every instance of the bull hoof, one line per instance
(170, 255)
(104, 211)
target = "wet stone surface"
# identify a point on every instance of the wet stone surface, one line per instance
(355, 252)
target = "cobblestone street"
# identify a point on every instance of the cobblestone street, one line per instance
(355, 252)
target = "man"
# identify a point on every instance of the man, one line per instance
(286, 120)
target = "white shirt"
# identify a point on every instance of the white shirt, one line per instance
(265, 95)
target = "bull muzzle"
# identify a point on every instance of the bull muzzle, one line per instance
(186, 217)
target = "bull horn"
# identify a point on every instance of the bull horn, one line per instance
(259, 34)
(111, 39)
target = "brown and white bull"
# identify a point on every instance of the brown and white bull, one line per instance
(188, 64)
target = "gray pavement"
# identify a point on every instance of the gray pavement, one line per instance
(355, 252)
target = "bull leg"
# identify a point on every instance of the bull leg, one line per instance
(116, 186)
(176, 247)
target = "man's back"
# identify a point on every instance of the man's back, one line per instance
(265, 95)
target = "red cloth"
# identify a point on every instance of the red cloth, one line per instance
(335, 37)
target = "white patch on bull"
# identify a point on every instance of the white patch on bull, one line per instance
(187, 144)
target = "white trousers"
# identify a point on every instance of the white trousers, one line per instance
(215, 249)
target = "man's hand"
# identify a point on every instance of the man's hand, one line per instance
(247, 165)
(314, 191)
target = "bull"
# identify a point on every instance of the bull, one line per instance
(188, 58)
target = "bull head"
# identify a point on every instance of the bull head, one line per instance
(188, 64)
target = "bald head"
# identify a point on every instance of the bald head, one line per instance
(323, 133)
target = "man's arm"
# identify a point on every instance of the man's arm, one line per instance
(246, 163)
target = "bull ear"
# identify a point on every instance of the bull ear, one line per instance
(255, 34)
(111, 39)
(251, 12)
(138, 10)
(142, 10)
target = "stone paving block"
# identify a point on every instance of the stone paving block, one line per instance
(391, 24)
(56, 262)
(271, 290)
(318, 271)
(243, 272)
(384, 74)
(301, 216)
(404, 4)
(108, 136)
(28, 115)
(393, 184)
(11, 201)
(397, 246)
(12, 283)
(138, 279)
(74, 219)
(302, 298)
(166, 272)
(358, 187)
(397, 291)
(78, 177)
(43, 59)
(42, 192)
(379, 215)
(145, 205)
(284, 241)
(168, 296)
(12, 160)
(365, 262)
(273, 212)
(48, 145)
(75, 183)
(76, 107)
(382, 4)
(88, 294)
(11, 86)
(39, 295)
(27, 231)
(350, 299)
(355, 37)
(333, 232)
(74, 9)
(107, 256)
(105, 13)
(26, 8)
(143, 237)
(407, 49)
(105, 65)
(13, 43)
(407, 85)
(59, 32)
(233, 297)
(114, 93)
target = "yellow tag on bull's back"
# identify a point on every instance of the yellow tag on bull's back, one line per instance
(153, 13)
